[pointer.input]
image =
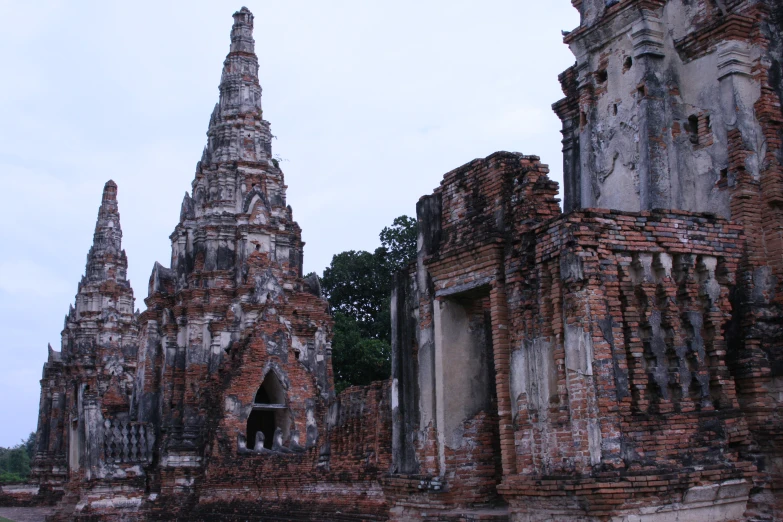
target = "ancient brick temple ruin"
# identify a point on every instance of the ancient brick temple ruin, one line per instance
(219, 397)
(621, 361)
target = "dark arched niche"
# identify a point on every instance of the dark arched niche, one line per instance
(269, 412)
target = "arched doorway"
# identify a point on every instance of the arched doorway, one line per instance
(269, 412)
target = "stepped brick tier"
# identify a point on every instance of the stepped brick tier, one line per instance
(621, 361)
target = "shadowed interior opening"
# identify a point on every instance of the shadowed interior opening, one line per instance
(263, 421)
(269, 412)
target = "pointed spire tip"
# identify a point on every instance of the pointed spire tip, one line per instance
(243, 15)
(110, 191)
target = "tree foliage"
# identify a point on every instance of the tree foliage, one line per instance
(358, 286)
(399, 240)
(357, 359)
(15, 462)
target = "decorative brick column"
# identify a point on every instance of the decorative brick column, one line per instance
(500, 346)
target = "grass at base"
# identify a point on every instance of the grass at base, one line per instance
(5, 520)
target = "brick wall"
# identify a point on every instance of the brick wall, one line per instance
(338, 477)
(631, 308)
(609, 345)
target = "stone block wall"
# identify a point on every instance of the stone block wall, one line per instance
(24, 495)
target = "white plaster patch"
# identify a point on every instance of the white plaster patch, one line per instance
(578, 349)
(394, 394)
(116, 503)
(22, 489)
(180, 461)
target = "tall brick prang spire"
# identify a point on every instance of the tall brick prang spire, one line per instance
(235, 277)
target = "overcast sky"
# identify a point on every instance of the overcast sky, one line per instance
(371, 102)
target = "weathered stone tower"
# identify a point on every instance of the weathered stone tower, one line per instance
(234, 344)
(673, 104)
(235, 360)
(86, 387)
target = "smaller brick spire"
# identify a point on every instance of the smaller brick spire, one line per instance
(102, 317)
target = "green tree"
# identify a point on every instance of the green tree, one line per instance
(357, 360)
(14, 464)
(30, 444)
(358, 287)
(356, 284)
(399, 240)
